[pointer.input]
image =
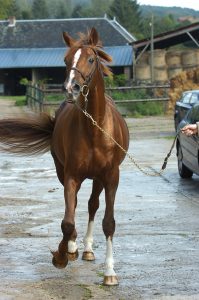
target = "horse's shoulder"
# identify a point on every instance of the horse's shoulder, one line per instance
(110, 100)
(66, 104)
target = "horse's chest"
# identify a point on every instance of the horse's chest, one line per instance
(92, 161)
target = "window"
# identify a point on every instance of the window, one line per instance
(186, 97)
(194, 98)
(193, 115)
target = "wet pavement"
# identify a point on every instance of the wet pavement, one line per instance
(156, 244)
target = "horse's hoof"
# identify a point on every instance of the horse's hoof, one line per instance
(110, 280)
(88, 256)
(59, 261)
(73, 256)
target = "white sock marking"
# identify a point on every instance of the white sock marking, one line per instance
(88, 239)
(109, 262)
(72, 246)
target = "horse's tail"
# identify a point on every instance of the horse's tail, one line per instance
(28, 135)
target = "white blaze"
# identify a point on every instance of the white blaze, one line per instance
(72, 72)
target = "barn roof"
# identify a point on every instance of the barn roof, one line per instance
(39, 43)
(48, 33)
(170, 38)
(48, 57)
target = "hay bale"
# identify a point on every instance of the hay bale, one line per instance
(143, 72)
(158, 58)
(182, 82)
(160, 74)
(174, 70)
(173, 58)
(189, 58)
(143, 59)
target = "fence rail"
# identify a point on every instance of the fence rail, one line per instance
(37, 97)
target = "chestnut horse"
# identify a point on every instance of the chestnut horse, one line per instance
(79, 149)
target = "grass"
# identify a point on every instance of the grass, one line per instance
(19, 100)
(138, 109)
(54, 97)
(87, 292)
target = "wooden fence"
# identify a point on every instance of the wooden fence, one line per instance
(38, 98)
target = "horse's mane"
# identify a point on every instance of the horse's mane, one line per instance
(84, 40)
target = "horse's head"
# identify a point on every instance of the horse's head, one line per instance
(84, 60)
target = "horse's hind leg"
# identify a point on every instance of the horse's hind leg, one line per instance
(59, 168)
(93, 205)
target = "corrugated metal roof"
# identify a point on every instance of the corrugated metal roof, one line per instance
(169, 38)
(53, 57)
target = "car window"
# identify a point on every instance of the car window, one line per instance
(186, 98)
(194, 98)
(193, 115)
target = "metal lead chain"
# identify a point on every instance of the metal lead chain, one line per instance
(154, 174)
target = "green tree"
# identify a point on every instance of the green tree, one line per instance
(26, 14)
(99, 8)
(61, 12)
(39, 9)
(160, 24)
(5, 6)
(95, 9)
(14, 10)
(127, 13)
(78, 11)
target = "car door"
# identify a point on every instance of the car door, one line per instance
(190, 144)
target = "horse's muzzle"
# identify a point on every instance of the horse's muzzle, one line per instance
(73, 88)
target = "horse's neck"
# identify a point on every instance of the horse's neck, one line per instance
(97, 103)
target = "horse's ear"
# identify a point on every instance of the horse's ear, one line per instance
(93, 37)
(68, 39)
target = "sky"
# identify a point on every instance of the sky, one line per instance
(181, 3)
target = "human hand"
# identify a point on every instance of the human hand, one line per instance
(190, 129)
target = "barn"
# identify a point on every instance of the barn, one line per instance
(34, 49)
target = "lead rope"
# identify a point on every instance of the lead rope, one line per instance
(155, 173)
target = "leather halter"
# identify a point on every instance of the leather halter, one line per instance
(87, 79)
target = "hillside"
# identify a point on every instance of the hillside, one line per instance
(161, 11)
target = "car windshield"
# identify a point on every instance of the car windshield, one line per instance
(194, 98)
(186, 97)
(193, 115)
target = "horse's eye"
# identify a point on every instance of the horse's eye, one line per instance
(91, 60)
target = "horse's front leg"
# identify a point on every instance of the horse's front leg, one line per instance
(67, 248)
(93, 205)
(111, 184)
